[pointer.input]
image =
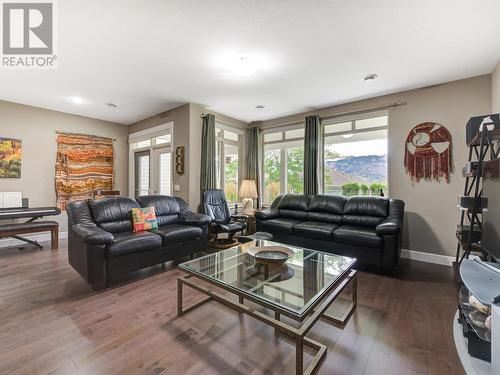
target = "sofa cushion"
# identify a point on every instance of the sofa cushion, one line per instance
(167, 208)
(326, 208)
(175, 233)
(129, 242)
(365, 211)
(356, 235)
(113, 214)
(294, 206)
(144, 219)
(284, 225)
(315, 229)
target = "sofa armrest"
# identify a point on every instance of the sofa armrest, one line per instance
(267, 214)
(394, 221)
(194, 219)
(388, 227)
(92, 234)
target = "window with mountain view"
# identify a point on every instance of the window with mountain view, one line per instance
(283, 163)
(355, 156)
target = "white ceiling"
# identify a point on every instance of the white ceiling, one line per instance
(149, 56)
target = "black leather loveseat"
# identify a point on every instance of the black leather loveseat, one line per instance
(367, 228)
(102, 245)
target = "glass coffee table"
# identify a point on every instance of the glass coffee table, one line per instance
(309, 286)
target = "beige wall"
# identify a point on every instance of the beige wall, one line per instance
(180, 117)
(37, 128)
(187, 132)
(431, 209)
(495, 89)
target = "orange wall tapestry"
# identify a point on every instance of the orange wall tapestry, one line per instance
(84, 164)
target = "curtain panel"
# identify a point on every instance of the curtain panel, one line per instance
(254, 158)
(313, 155)
(208, 147)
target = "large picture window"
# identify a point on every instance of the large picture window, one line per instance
(228, 161)
(355, 156)
(283, 162)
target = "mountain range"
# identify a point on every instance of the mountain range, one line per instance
(365, 169)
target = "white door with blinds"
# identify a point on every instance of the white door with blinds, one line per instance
(163, 179)
(152, 163)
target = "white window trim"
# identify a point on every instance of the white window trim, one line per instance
(144, 135)
(282, 144)
(238, 144)
(353, 119)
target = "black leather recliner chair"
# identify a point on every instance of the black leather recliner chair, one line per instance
(102, 244)
(364, 227)
(216, 206)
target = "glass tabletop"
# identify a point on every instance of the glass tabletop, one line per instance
(294, 286)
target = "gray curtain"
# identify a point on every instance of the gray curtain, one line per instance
(313, 155)
(208, 144)
(254, 158)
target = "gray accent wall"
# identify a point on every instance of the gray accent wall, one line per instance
(37, 127)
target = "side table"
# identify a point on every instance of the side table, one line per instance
(251, 225)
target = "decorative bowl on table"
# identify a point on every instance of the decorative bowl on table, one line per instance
(270, 254)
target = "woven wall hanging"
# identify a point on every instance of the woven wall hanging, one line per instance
(428, 153)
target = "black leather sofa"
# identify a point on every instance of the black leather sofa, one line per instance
(364, 227)
(102, 244)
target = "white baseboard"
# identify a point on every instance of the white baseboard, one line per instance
(40, 237)
(445, 260)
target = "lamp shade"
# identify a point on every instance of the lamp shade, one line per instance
(248, 189)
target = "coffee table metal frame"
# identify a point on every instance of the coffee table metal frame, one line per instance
(317, 310)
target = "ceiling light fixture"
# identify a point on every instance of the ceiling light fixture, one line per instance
(243, 66)
(370, 77)
(350, 135)
(76, 100)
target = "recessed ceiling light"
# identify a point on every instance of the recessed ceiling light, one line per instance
(370, 77)
(243, 66)
(260, 106)
(76, 100)
(350, 135)
(111, 105)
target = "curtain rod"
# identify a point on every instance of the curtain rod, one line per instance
(238, 126)
(340, 114)
(86, 135)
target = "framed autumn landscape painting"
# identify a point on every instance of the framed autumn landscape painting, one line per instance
(10, 158)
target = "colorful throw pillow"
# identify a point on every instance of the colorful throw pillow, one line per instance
(144, 219)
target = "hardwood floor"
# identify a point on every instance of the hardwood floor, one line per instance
(52, 323)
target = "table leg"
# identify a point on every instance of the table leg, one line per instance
(299, 356)
(54, 238)
(179, 297)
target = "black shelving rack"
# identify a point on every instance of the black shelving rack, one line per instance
(484, 146)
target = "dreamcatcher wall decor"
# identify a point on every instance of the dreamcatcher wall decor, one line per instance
(428, 152)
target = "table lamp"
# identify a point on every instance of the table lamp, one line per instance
(248, 191)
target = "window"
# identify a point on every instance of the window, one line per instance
(283, 162)
(227, 161)
(355, 156)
